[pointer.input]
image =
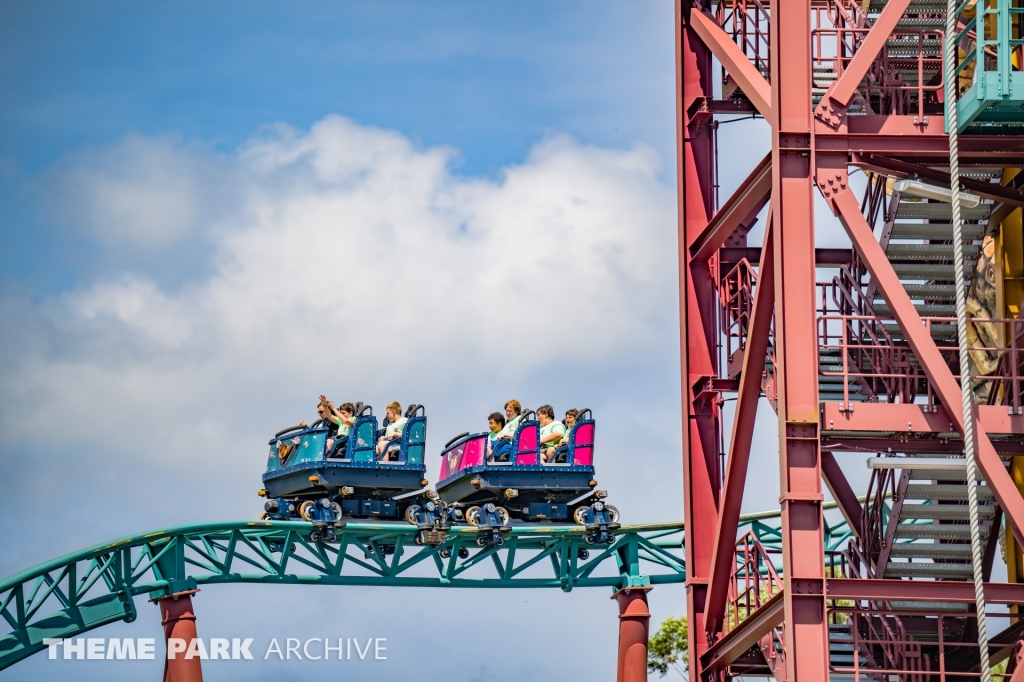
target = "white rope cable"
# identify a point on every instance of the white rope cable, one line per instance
(966, 394)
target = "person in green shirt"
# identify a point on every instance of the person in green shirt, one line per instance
(551, 432)
(389, 443)
(569, 421)
(501, 446)
(495, 423)
(344, 417)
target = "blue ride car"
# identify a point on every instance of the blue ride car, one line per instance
(304, 480)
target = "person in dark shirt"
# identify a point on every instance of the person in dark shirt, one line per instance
(323, 420)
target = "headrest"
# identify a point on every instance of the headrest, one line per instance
(526, 415)
(412, 410)
(584, 411)
(290, 428)
(363, 410)
(461, 435)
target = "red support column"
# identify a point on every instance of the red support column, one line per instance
(796, 344)
(179, 621)
(634, 628)
(698, 328)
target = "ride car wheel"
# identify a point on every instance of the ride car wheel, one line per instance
(613, 512)
(473, 516)
(305, 508)
(503, 515)
(337, 511)
(580, 516)
(410, 513)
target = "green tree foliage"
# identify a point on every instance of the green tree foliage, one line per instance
(666, 649)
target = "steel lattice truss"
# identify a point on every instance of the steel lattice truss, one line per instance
(78, 592)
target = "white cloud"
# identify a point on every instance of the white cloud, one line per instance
(346, 256)
(143, 192)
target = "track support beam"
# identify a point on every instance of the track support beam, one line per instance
(634, 629)
(179, 620)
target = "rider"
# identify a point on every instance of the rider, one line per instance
(551, 432)
(322, 420)
(344, 418)
(392, 434)
(502, 447)
(495, 422)
(563, 445)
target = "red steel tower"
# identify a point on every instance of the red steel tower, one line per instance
(855, 348)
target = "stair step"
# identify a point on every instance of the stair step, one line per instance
(942, 512)
(935, 231)
(924, 271)
(942, 252)
(921, 23)
(826, 383)
(906, 550)
(916, 491)
(912, 47)
(943, 331)
(923, 309)
(928, 606)
(940, 211)
(930, 531)
(928, 570)
(929, 291)
(938, 475)
(916, 7)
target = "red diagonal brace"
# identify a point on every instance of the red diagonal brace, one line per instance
(1018, 672)
(753, 84)
(744, 204)
(833, 105)
(848, 209)
(745, 635)
(841, 491)
(724, 556)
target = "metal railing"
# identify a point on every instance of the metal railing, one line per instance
(918, 645)
(736, 298)
(874, 352)
(990, 60)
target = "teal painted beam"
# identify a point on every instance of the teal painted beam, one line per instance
(81, 591)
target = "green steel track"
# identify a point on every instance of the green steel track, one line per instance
(78, 592)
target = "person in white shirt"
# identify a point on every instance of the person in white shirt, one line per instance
(389, 442)
(551, 432)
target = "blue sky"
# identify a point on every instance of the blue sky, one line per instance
(214, 212)
(489, 79)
